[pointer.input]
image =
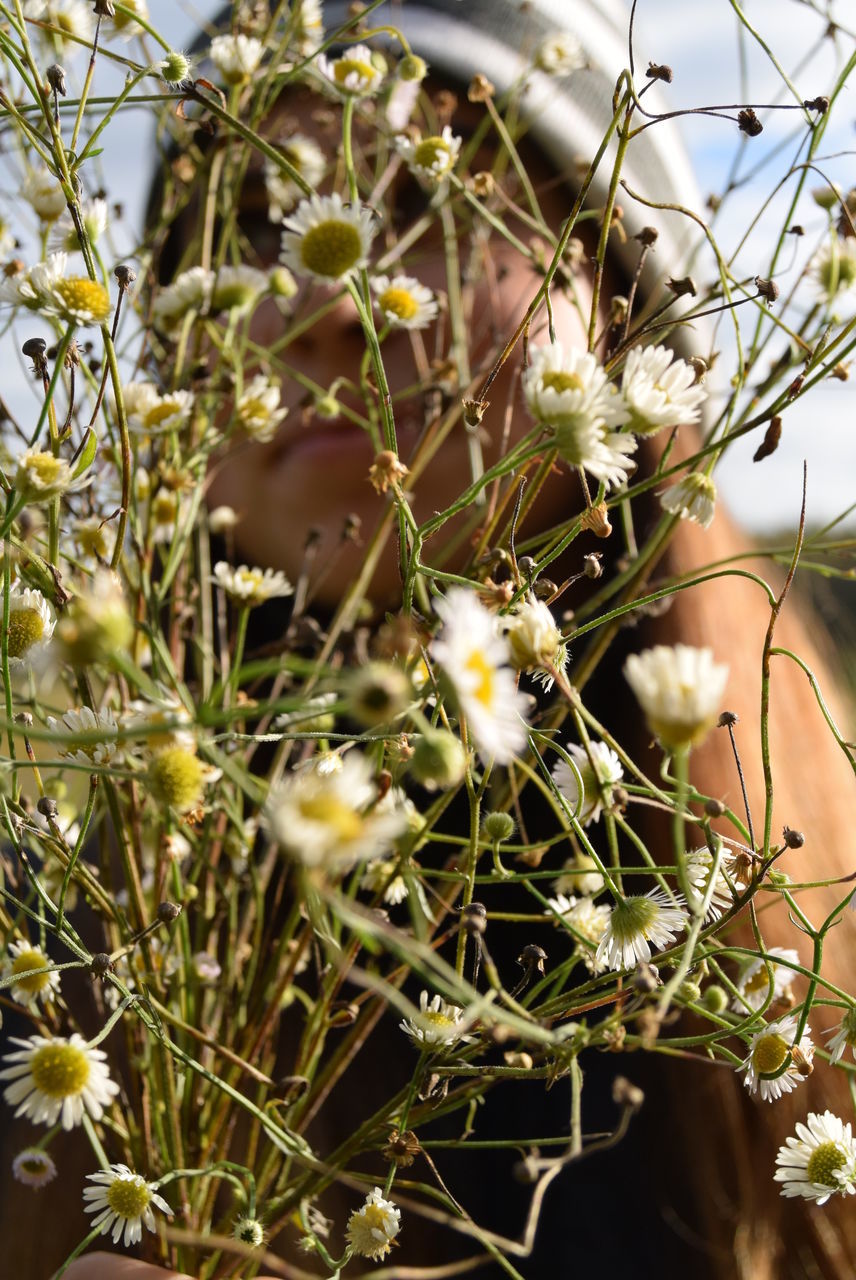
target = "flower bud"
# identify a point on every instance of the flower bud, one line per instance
(498, 827)
(439, 761)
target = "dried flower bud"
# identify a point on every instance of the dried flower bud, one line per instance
(592, 566)
(793, 839)
(104, 8)
(522, 1061)
(803, 1064)
(647, 236)
(660, 72)
(386, 471)
(714, 808)
(841, 372)
(34, 349)
(480, 88)
(768, 289)
(402, 1148)
(168, 911)
(618, 308)
(596, 519)
(47, 807)
(483, 184)
(474, 918)
(625, 1094)
(25, 718)
(125, 275)
(474, 411)
(532, 957)
(819, 104)
(614, 1038)
(100, 965)
(727, 719)
(748, 123)
(56, 79)
(646, 977)
(682, 288)
(770, 443)
(701, 367)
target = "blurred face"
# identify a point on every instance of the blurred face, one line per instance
(314, 475)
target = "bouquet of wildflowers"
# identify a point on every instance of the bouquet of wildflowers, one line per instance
(328, 500)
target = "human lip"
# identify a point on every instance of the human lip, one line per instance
(327, 439)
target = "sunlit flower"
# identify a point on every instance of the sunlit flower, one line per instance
(436, 1023)
(251, 587)
(42, 191)
(372, 1229)
(96, 623)
(237, 289)
(93, 215)
(559, 54)
(177, 777)
(45, 288)
(699, 863)
(589, 919)
(432, 158)
(845, 1036)
(820, 1161)
(122, 1202)
(327, 239)
(754, 985)
(34, 1168)
(599, 773)
(326, 818)
(475, 660)
(152, 413)
(404, 302)
(638, 924)
(353, 75)
(189, 291)
(258, 409)
(680, 690)
(693, 498)
(72, 732)
(833, 268)
(304, 155)
(534, 641)
(768, 1051)
(126, 26)
(24, 956)
(66, 18)
(660, 390)
(31, 626)
(236, 57)
(53, 1079)
(570, 393)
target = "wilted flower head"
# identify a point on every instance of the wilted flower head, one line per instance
(660, 390)
(372, 1228)
(680, 690)
(844, 1037)
(692, 498)
(34, 1168)
(327, 239)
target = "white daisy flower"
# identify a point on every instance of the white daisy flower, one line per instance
(326, 239)
(93, 214)
(259, 410)
(86, 722)
(599, 775)
(325, 817)
(404, 302)
(833, 269)
(475, 660)
(236, 57)
(571, 394)
(559, 54)
(307, 29)
(353, 75)
(754, 986)
(638, 924)
(844, 1037)
(680, 690)
(165, 512)
(589, 919)
(768, 1051)
(151, 413)
(436, 1023)
(34, 1168)
(27, 288)
(692, 498)
(820, 1161)
(31, 626)
(237, 289)
(432, 158)
(385, 874)
(251, 586)
(249, 1231)
(304, 155)
(372, 1228)
(126, 26)
(189, 291)
(698, 865)
(46, 289)
(534, 641)
(53, 1079)
(660, 390)
(71, 18)
(122, 1201)
(22, 957)
(44, 194)
(580, 875)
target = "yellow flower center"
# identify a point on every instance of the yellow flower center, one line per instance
(399, 302)
(561, 380)
(43, 469)
(60, 1070)
(331, 248)
(758, 982)
(823, 1163)
(83, 299)
(483, 692)
(164, 508)
(331, 812)
(175, 775)
(161, 412)
(128, 1197)
(434, 154)
(31, 959)
(769, 1054)
(26, 628)
(254, 409)
(437, 1020)
(34, 1165)
(364, 71)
